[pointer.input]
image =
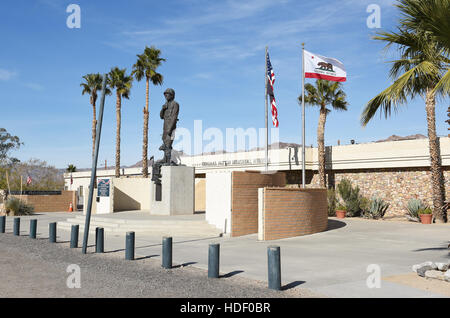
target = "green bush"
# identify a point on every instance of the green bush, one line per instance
(344, 189)
(413, 208)
(426, 210)
(377, 209)
(351, 197)
(332, 200)
(364, 205)
(16, 206)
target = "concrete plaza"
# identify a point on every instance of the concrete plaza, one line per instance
(332, 263)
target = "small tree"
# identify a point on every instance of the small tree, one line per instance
(331, 198)
(45, 177)
(351, 197)
(8, 143)
(71, 168)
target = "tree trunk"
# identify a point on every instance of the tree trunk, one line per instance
(94, 126)
(145, 139)
(437, 177)
(321, 146)
(118, 119)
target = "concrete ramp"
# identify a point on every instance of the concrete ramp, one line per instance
(143, 222)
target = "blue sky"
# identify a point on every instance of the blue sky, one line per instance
(215, 62)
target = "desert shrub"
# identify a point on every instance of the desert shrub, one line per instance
(344, 189)
(413, 207)
(364, 205)
(426, 210)
(351, 197)
(16, 206)
(332, 200)
(377, 209)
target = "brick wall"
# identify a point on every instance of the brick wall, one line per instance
(294, 212)
(244, 199)
(396, 186)
(51, 203)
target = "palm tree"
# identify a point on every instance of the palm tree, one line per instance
(71, 168)
(323, 94)
(146, 66)
(121, 82)
(92, 84)
(431, 16)
(418, 70)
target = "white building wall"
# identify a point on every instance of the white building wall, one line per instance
(131, 194)
(218, 200)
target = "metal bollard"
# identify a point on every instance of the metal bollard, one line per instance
(2, 224)
(167, 252)
(213, 260)
(33, 228)
(52, 232)
(100, 246)
(16, 228)
(74, 236)
(129, 246)
(274, 264)
(96, 235)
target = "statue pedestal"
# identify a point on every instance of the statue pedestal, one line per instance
(177, 192)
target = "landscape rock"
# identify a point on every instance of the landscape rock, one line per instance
(422, 270)
(443, 266)
(434, 274)
(447, 275)
(415, 268)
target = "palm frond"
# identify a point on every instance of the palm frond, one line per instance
(428, 15)
(121, 82)
(443, 86)
(413, 82)
(325, 93)
(147, 64)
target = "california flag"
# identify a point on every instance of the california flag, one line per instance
(326, 68)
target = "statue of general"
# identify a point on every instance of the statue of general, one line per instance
(169, 113)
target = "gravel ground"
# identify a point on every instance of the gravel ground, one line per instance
(37, 268)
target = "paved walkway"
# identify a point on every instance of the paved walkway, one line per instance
(333, 263)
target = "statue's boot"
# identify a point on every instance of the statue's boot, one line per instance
(167, 156)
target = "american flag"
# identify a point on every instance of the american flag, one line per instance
(271, 80)
(29, 180)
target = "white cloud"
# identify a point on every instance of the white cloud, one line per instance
(34, 86)
(236, 30)
(6, 75)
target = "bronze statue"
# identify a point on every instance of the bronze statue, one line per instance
(169, 113)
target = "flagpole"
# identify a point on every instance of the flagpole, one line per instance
(266, 111)
(94, 167)
(303, 118)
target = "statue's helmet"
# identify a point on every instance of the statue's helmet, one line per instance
(170, 91)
